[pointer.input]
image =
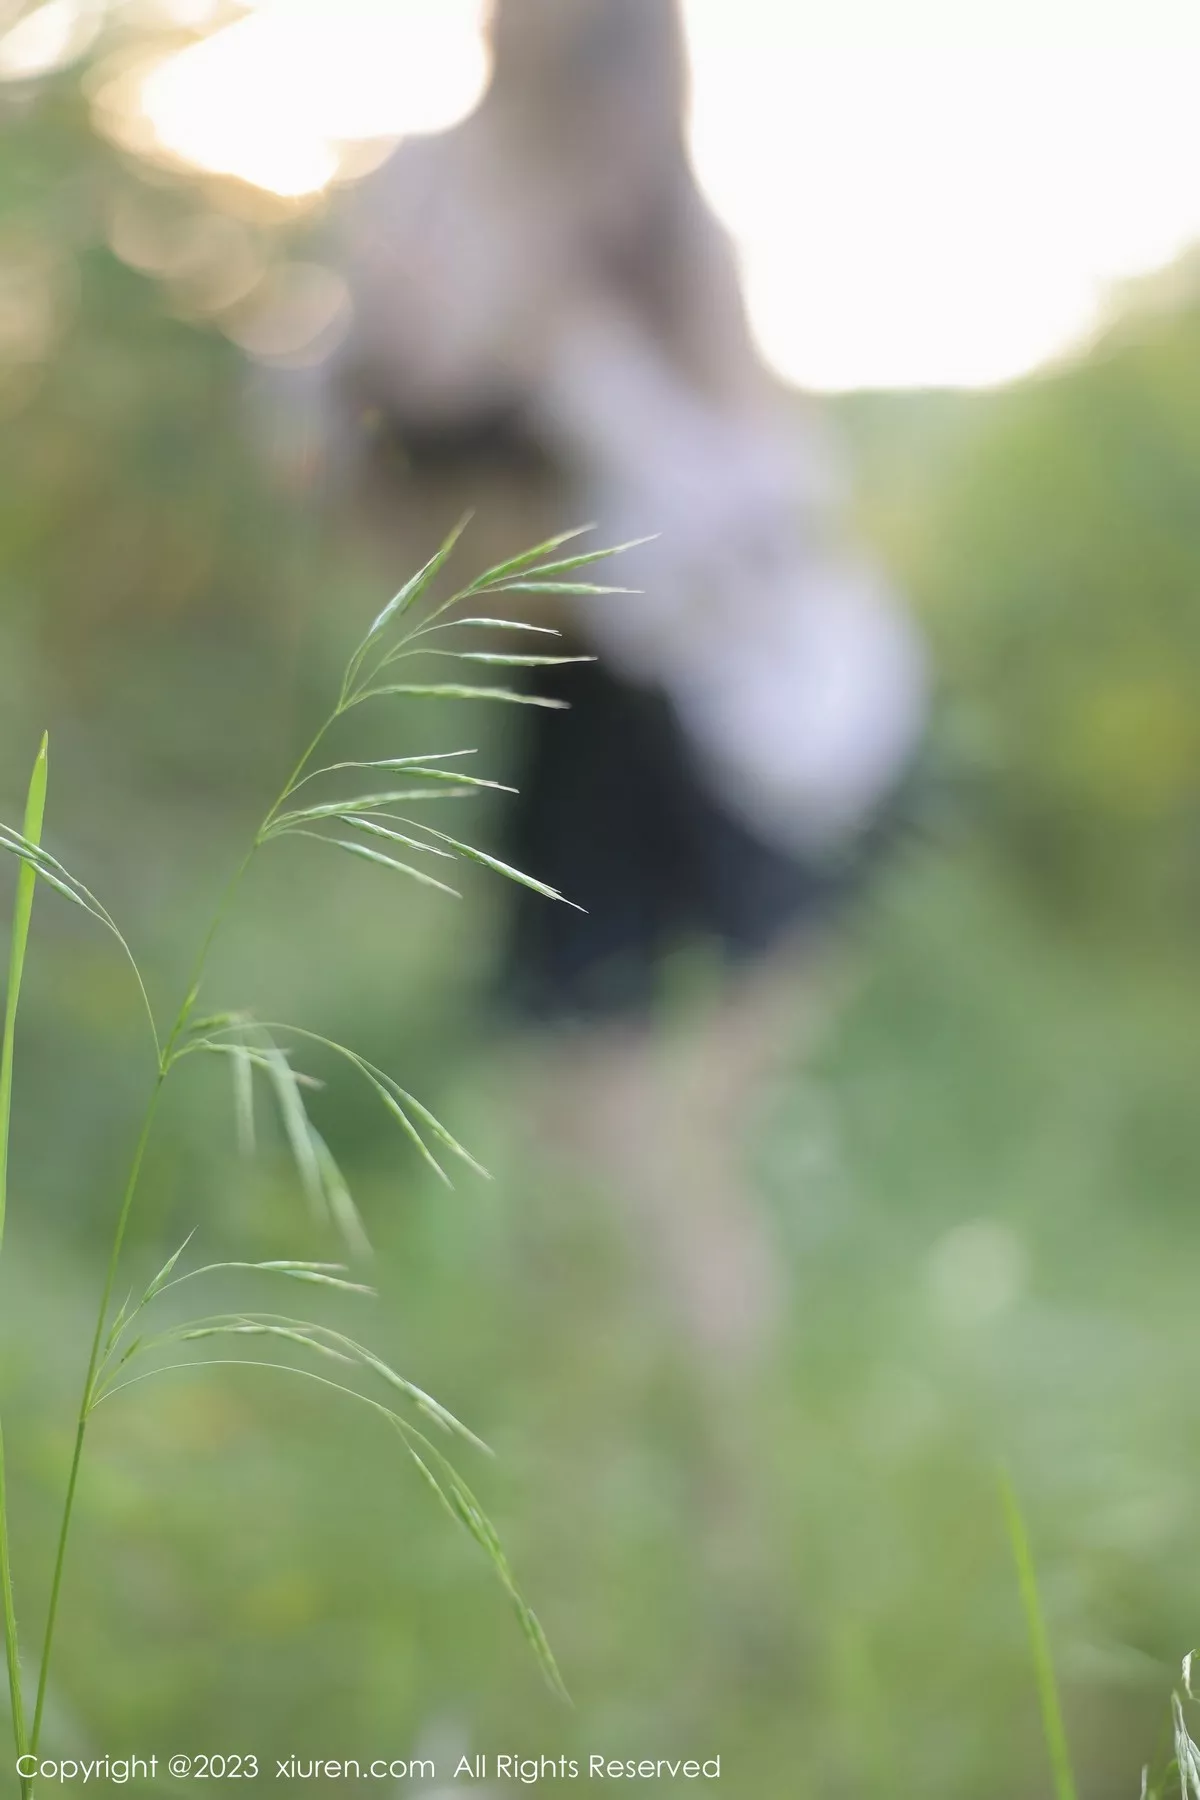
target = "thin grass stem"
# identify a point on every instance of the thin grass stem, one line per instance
(60, 1556)
(355, 688)
(11, 1647)
(166, 1058)
(1039, 1643)
(35, 811)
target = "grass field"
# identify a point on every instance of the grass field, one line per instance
(982, 1178)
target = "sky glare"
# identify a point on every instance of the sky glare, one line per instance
(922, 192)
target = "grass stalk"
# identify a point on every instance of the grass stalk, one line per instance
(311, 1155)
(60, 1555)
(166, 1059)
(11, 1648)
(35, 810)
(1053, 1727)
(118, 1244)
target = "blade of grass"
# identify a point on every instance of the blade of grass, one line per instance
(11, 1648)
(330, 1275)
(294, 1118)
(1187, 1757)
(503, 659)
(400, 603)
(414, 765)
(306, 1331)
(243, 1099)
(559, 587)
(162, 1279)
(489, 624)
(335, 809)
(406, 1125)
(496, 866)
(357, 686)
(529, 566)
(454, 691)
(435, 1125)
(1039, 1643)
(394, 1098)
(374, 829)
(40, 862)
(384, 862)
(298, 1332)
(462, 1505)
(514, 564)
(342, 1210)
(27, 876)
(252, 1328)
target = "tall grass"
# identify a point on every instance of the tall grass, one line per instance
(35, 810)
(351, 807)
(1183, 1768)
(1053, 1728)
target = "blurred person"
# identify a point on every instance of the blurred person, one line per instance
(548, 324)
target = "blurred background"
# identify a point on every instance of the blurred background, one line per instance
(972, 238)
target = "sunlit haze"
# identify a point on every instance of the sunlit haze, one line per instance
(915, 202)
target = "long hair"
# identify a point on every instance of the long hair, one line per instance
(597, 69)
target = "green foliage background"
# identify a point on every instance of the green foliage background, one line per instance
(1016, 1046)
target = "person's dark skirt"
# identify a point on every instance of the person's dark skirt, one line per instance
(613, 814)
